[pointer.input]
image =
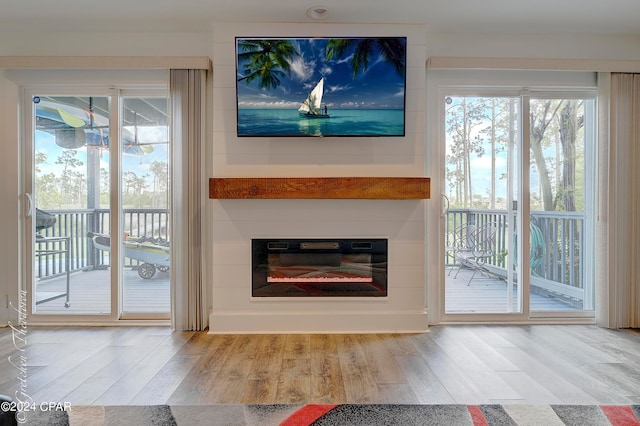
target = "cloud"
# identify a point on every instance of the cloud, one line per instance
(344, 60)
(301, 70)
(335, 88)
(273, 104)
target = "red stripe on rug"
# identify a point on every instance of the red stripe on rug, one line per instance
(620, 415)
(308, 414)
(477, 416)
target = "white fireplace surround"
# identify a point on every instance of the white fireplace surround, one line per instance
(238, 221)
(234, 222)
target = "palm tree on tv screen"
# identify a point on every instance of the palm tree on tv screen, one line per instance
(392, 51)
(266, 60)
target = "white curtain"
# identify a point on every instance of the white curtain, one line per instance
(621, 217)
(187, 93)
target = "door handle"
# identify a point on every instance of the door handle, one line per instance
(31, 205)
(445, 204)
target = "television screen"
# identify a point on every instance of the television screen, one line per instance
(321, 86)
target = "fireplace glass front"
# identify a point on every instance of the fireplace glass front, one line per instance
(319, 267)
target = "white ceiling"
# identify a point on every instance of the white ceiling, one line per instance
(495, 16)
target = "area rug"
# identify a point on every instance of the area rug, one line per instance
(342, 414)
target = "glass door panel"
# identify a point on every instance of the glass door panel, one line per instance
(145, 206)
(71, 199)
(481, 186)
(561, 200)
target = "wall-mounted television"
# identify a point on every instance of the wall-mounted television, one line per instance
(321, 86)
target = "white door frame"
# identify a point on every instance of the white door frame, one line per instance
(486, 83)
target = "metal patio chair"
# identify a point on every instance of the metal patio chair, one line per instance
(481, 247)
(457, 241)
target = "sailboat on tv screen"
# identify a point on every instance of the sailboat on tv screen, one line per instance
(312, 106)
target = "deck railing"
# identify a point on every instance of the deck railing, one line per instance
(75, 226)
(559, 251)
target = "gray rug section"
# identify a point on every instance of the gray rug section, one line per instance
(405, 415)
(342, 415)
(45, 418)
(154, 415)
(581, 415)
(495, 415)
(232, 415)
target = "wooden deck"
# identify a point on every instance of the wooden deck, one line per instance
(486, 294)
(90, 293)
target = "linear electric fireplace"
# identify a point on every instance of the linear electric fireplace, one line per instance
(319, 267)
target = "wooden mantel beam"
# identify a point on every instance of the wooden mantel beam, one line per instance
(372, 188)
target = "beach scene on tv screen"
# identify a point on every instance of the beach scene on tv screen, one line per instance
(321, 86)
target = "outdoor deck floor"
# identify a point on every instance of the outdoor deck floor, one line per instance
(485, 294)
(90, 294)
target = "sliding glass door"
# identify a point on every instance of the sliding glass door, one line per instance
(96, 177)
(70, 168)
(144, 189)
(519, 163)
(482, 180)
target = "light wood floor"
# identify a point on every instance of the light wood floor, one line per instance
(540, 364)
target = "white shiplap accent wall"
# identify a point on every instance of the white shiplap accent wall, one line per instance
(234, 222)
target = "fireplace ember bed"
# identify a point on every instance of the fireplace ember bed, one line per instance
(319, 267)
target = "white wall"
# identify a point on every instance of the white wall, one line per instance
(235, 222)
(34, 43)
(576, 46)
(239, 158)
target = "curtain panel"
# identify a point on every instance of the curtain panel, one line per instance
(623, 199)
(187, 94)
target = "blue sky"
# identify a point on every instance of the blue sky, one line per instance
(380, 87)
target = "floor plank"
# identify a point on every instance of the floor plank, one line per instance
(453, 343)
(126, 389)
(164, 384)
(359, 384)
(327, 386)
(426, 386)
(466, 364)
(262, 380)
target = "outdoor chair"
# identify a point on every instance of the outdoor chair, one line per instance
(481, 247)
(457, 241)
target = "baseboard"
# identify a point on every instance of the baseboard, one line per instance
(321, 322)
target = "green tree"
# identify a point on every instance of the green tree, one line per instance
(560, 122)
(569, 124)
(71, 181)
(542, 115)
(265, 60)
(160, 172)
(498, 133)
(135, 190)
(40, 158)
(104, 187)
(47, 191)
(465, 117)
